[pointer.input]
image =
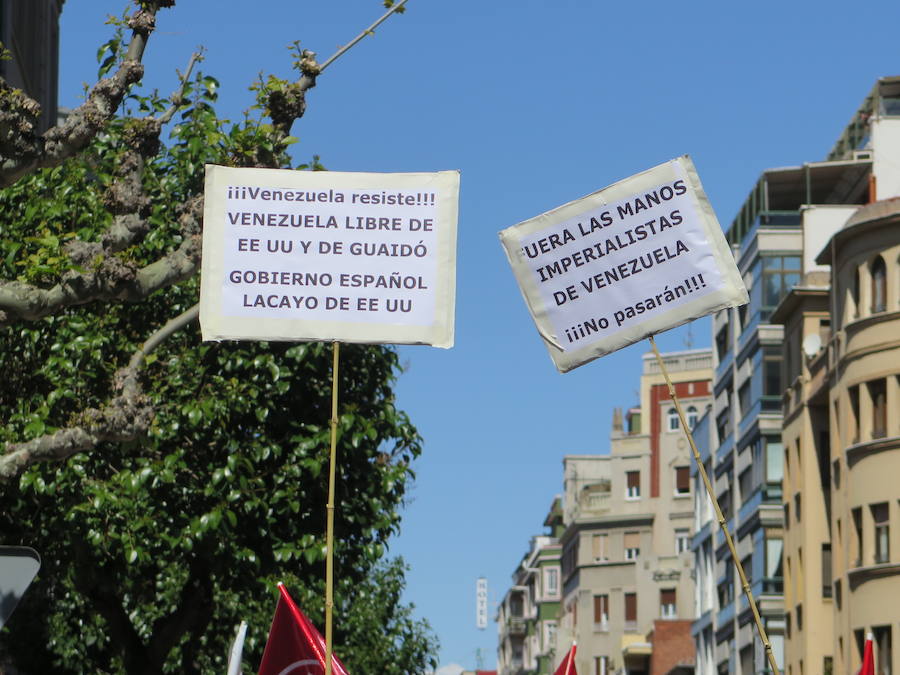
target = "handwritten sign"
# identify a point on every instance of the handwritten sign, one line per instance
(353, 257)
(636, 258)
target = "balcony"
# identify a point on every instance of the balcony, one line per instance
(771, 219)
(516, 626)
(723, 453)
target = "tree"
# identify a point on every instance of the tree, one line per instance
(194, 478)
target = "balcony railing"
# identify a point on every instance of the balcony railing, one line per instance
(516, 625)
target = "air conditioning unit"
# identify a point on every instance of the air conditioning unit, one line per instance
(861, 155)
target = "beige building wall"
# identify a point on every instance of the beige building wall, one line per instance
(842, 451)
(626, 549)
(864, 360)
(806, 485)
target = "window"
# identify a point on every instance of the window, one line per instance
(682, 480)
(772, 373)
(632, 545)
(747, 659)
(883, 651)
(723, 425)
(667, 607)
(853, 422)
(800, 617)
(774, 581)
(746, 482)
(601, 612)
(826, 570)
(857, 524)
(570, 558)
(878, 272)
(682, 540)
(602, 665)
(747, 566)
(855, 294)
(551, 581)
(630, 611)
(549, 635)
(878, 395)
(692, 416)
(744, 398)
(779, 275)
(880, 517)
(798, 503)
(672, 417)
(600, 547)
(632, 485)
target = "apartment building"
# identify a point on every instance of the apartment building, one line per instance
(842, 450)
(626, 564)
(527, 616)
(770, 487)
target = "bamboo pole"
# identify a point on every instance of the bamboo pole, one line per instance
(721, 518)
(329, 531)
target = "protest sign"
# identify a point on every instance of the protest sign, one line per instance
(641, 256)
(350, 257)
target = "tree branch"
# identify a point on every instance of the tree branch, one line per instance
(124, 418)
(109, 277)
(285, 106)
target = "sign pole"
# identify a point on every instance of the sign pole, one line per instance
(329, 533)
(719, 516)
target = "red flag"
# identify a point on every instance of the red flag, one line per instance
(295, 647)
(567, 667)
(868, 664)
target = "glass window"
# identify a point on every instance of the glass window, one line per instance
(883, 649)
(630, 609)
(774, 461)
(692, 416)
(878, 272)
(682, 540)
(632, 484)
(880, 517)
(600, 547)
(667, 606)
(672, 417)
(682, 480)
(601, 611)
(551, 580)
(779, 275)
(878, 395)
(632, 545)
(774, 573)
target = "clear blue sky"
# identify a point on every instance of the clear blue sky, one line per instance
(536, 103)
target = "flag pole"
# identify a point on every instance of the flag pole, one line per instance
(570, 665)
(745, 585)
(329, 532)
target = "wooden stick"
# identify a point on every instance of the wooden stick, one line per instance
(329, 532)
(721, 518)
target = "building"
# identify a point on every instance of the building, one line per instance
(30, 31)
(527, 616)
(842, 441)
(626, 564)
(786, 236)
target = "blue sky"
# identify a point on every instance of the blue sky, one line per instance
(536, 103)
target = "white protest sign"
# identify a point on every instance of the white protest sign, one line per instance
(633, 259)
(352, 257)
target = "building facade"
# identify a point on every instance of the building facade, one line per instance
(626, 565)
(528, 615)
(770, 485)
(842, 440)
